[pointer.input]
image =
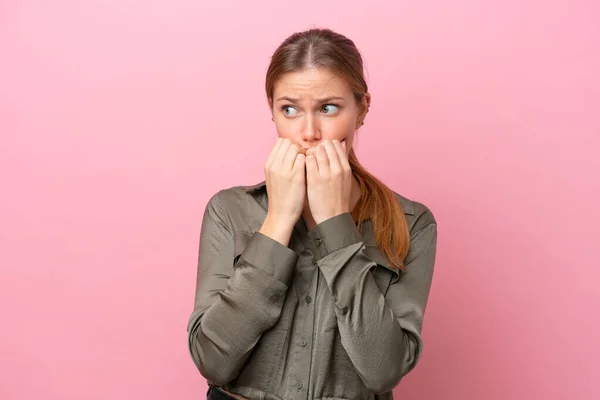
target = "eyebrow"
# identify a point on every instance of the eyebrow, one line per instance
(323, 100)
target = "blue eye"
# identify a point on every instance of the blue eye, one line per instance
(287, 112)
(330, 108)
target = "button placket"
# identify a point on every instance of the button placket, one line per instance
(302, 375)
(299, 359)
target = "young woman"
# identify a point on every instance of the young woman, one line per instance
(313, 283)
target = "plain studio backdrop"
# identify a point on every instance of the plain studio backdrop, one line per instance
(119, 119)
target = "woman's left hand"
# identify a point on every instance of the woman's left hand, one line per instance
(328, 180)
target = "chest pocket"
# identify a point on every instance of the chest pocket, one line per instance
(383, 273)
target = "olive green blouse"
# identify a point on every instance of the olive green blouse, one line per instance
(327, 317)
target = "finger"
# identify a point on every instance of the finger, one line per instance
(281, 153)
(300, 164)
(334, 162)
(273, 152)
(322, 160)
(312, 169)
(290, 157)
(340, 147)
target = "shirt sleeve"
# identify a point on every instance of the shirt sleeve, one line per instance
(234, 304)
(381, 333)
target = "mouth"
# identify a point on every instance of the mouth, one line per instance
(305, 149)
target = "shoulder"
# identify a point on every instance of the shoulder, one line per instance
(418, 215)
(231, 196)
(241, 207)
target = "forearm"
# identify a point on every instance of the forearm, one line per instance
(381, 333)
(381, 351)
(222, 334)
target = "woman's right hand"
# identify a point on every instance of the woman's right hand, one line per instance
(285, 176)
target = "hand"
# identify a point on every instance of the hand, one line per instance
(286, 184)
(329, 180)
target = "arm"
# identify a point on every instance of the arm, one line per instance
(382, 335)
(234, 305)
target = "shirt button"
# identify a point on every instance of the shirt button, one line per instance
(308, 299)
(303, 343)
(299, 385)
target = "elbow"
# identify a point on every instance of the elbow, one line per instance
(391, 372)
(213, 366)
(384, 382)
(217, 376)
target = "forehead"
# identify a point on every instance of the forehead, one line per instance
(313, 82)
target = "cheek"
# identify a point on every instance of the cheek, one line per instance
(285, 130)
(339, 128)
(349, 143)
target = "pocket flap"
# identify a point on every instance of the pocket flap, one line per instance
(376, 255)
(241, 241)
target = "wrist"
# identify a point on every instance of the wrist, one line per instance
(277, 229)
(322, 218)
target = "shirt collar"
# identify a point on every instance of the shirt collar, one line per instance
(256, 188)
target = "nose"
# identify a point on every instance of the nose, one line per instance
(310, 129)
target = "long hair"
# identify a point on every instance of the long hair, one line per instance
(328, 49)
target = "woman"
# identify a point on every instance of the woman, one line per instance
(313, 283)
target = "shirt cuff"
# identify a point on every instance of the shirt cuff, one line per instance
(271, 257)
(333, 234)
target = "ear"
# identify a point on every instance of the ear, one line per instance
(365, 103)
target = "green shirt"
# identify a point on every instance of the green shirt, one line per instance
(326, 317)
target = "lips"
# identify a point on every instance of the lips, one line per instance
(305, 149)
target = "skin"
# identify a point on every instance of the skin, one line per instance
(316, 110)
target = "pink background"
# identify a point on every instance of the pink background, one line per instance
(116, 119)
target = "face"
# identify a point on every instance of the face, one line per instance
(315, 104)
